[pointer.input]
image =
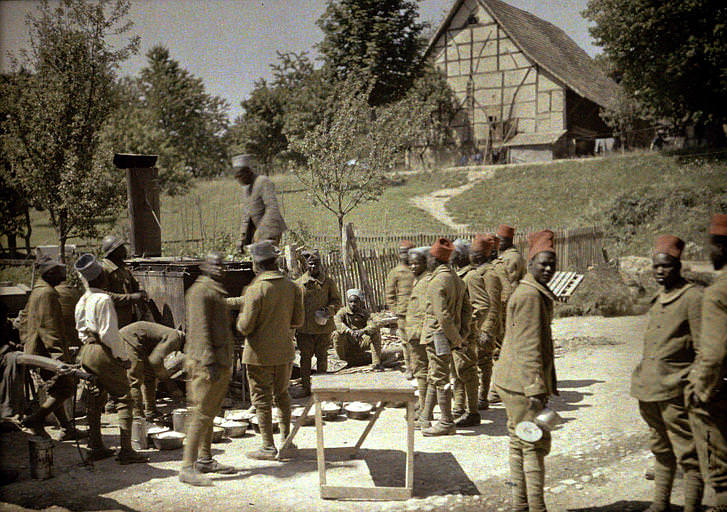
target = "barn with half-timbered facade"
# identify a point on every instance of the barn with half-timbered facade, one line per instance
(527, 91)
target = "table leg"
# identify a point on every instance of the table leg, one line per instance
(321, 455)
(409, 483)
(296, 427)
(379, 407)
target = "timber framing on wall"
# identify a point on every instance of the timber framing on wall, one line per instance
(512, 72)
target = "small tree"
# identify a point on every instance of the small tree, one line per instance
(58, 109)
(349, 153)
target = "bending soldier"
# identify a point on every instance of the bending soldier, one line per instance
(357, 339)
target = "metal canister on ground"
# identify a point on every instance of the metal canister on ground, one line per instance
(40, 451)
(139, 439)
(179, 420)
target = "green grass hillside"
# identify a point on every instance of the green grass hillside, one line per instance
(635, 197)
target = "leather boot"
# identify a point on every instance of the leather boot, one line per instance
(35, 422)
(426, 413)
(693, 491)
(663, 482)
(70, 433)
(267, 451)
(534, 466)
(445, 426)
(517, 478)
(127, 455)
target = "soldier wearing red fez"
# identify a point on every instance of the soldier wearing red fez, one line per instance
(658, 382)
(525, 372)
(447, 316)
(706, 392)
(511, 257)
(398, 286)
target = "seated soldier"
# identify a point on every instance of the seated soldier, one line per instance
(356, 334)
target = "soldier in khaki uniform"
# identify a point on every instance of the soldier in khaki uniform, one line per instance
(491, 328)
(525, 372)
(464, 360)
(273, 307)
(149, 344)
(447, 316)
(320, 297)
(515, 266)
(106, 356)
(357, 339)
(261, 219)
(208, 363)
(706, 392)
(414, 323)
(670, 344)
(122, 287)
(46, 336)
(398, 285)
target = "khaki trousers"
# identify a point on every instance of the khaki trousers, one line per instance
(464, 370)
(439, 368)
(206, 397)
(709, 425)
(143, 383)
(670, 435)
(310, 345)
(268, 386)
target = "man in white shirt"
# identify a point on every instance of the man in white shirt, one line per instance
(105, 355)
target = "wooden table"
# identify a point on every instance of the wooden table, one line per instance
(377, 388)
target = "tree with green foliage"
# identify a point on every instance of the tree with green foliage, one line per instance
(671, 55)
(193, 121)
(58, 104)
(379, 39)
(348, 155)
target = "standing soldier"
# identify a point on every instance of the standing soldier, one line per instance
(461, 257)
(658, 382)
(208, 362)
(46, 336)
(398, 287)
(414, 323)
(491, 328)
(261, 217)
(525, 373)
(149, 344)
(272, 308)
(122, 287)
(706, 393)
(514, 262)
(106, 356)
(321, 301)
(447, 315)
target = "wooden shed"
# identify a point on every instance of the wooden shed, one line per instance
(527, 91)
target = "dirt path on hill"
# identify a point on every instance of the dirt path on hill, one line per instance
(435, 203)
(597, 461)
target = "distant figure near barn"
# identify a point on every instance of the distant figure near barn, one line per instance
(261, 219)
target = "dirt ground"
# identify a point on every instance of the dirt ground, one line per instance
(597, 462)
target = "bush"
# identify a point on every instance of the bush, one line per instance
(602, 292)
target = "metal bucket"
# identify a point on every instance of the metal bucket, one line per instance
(139, 439)
(179, 420)
(40, 450)
(548, 419)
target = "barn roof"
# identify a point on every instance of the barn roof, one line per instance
(549, 47)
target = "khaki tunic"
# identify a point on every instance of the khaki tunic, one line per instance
(121, 284)
(351, 349)
(669, 344)
(45, 330)
(515, 266)
(209, 336)
(399, 283)
(415, 308)
(150, 343)
(68, 297)
(318, 294)
(262, 219)
(492, 324)
(273, 307)
(527, 360)
(447, 308)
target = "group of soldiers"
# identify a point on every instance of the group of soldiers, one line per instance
(474, 319)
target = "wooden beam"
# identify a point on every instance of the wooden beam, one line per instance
(329, 492)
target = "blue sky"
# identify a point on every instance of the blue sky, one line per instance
(231, 43)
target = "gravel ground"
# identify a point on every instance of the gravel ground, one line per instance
(597, 462)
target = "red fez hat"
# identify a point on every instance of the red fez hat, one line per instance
(506, 231)
(718, 226)
(482, 243)
(495, 242)
(406, 245)
(669, 244)
(442, 249)
(540, 241)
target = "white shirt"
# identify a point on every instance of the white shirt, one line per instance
(96, 320)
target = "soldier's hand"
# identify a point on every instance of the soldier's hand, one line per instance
(537, 403)
(213, 372)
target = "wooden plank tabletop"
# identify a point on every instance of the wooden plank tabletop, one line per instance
(369, 382)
